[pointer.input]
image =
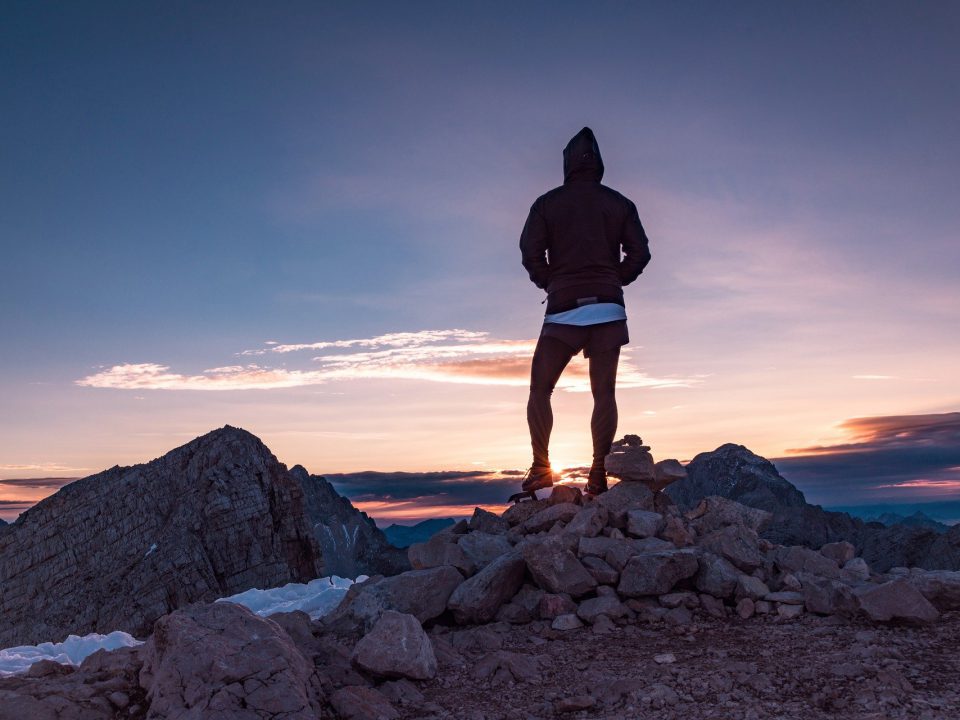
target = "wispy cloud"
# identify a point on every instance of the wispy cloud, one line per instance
(51, 467)
(450, 356)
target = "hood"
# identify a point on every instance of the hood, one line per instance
(581, 158)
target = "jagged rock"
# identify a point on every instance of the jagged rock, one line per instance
(656, 573)
(554, 605)
(786, 597)
(222, 657)
(643, 523)
(840, 552)
(715, 512)
(750, 587)
(855, 570)
(789, 581)
(602, 572)
(941, 588)
(119, 549)
(524, 607)
(828, 597)
(557, 570)
(357, 702)
(801, 559)
(736, 543)
(667, 472)
(521, 511)
(421, 593)
(566, 622)
(716, 576)
(483, 548)
(402, 691)
(619, 555)
(350, 541)
(396, 647)
(545, 519)
(589, 610)
(438, 551)
(565, 494)
(895, 600)
(623, 497)
(478, 599)
(599, 546)
(589, 521)
(503, 666)
(713, 606)
(487, 522)
(677, 533)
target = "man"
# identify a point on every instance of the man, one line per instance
(571, 247)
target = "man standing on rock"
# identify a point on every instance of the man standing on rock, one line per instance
(571, 247)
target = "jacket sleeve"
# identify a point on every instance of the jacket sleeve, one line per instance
(636, 249)
(533, 248)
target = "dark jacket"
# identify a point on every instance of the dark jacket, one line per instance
(573, 236)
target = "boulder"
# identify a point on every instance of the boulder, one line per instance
(716, 576)
(566, 622)
(478, 599)
(442, 549)
(223, 658)
(589, 521)
(623, 497)
(483, 548)
(487, 522)
(785, 597)
(895, 600)
(602, 572)
(940, 587)
(554, 605)
(840, 552)
(643, 523)
(357, 702)
(667, 472)
(546, 518)
(557, 570)
(715, 512)
(656, 573)
(745, 608)
(751, 587)
(630, 460)
(800, 559)
(736, 543)
(396, 647)
(855, 571)
(677, 533)
(590, 610)
(521, 511)
(828, 597)
(524, 607)
(565, 494)
(713, 606)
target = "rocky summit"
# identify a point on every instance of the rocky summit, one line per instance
(626, 605)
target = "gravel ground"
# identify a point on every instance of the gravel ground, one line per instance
(807, 668)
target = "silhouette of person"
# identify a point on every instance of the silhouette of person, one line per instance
(571, 246)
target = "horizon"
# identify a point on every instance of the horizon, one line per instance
(303, 220)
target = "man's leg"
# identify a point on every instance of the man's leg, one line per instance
(603, 382)
(549, 360)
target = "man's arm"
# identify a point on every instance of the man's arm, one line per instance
(636, 250)
(533, 248)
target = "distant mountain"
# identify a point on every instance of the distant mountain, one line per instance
(918, 519)
(403, 536)
(351, 542)
(118, 549)
(2, 522)
(735, 472)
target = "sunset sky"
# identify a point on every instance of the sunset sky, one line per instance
(302, 219)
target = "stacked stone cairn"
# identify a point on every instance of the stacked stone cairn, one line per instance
(626, 556)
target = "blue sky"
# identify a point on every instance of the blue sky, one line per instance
(181, 184)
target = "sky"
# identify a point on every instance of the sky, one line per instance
(303, 219)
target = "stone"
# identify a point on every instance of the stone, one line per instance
(602, 572)
(840, 552)
(546, 518)
(800, 559)
(589, 521)
(750, 587)
(589, 610)
(222, 657)
(557, 570)
(357, 702)
(940, 587)
(762, 607)
(787, 597)
(716, 576)
(421, 593)
(828, 597)
(212, 518)
(574, 703)
(503, 666)
(736, 543)
(855, 570)
(553, 606)
(623, 497)
(566, 622)
(524, 607)
(402, 691)
(656, 573)
(678, 616)
(715, 512)
(676, 599)
(643, 523)
(485, 521)
(712, 606)
(789, 611)
(440, 550)
(483, 548)
(397, 647)
(478, 599)
(897, 600)
(630, 462)
(565, 494)
(521, 511)
(665, 659)
(790, 582)
(677, 533)
(745, 608)
(667, 472)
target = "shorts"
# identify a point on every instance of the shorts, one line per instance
(591, 339)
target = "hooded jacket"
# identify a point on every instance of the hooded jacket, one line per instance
(572, 241)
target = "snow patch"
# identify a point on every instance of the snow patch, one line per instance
(316, 598)
(71, 651)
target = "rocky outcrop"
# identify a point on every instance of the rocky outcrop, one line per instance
(351, 542)
(116, 550)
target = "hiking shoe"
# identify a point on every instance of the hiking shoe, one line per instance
(596, 482)
(537, 478)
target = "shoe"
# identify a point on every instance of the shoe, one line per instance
(596, 482)
(537, 478)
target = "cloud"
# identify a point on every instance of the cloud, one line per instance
(40, 467)
(889, 457)
(51, 483)
(450, 356)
